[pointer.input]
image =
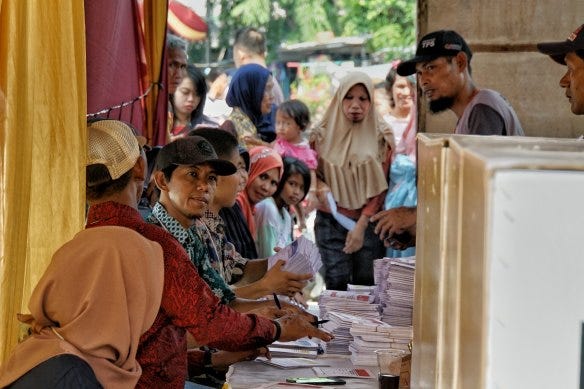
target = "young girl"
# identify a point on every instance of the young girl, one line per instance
(272, 217)
(292, 119)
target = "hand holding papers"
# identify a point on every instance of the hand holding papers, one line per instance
(283, 282)
(301, 257)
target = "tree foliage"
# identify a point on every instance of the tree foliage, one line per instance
(390, 24)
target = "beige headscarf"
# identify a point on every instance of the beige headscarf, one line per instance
(350, 154)
(99, 294)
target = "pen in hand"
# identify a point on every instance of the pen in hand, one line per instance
(277, 301)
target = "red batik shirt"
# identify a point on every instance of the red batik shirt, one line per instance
(187, 305)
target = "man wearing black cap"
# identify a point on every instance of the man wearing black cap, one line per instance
(115, 176)
(570, 53)
(442, 64)
(186, 175)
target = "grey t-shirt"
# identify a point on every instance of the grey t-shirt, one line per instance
(489, 113)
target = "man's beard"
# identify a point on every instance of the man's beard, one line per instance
(441, 104)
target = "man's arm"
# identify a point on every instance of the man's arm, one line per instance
(191, 304)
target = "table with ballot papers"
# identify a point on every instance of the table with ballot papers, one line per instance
(362, 319)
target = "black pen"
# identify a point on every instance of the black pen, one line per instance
(316, 323)
(277, 301)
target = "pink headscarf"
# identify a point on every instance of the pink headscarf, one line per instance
(262, 159)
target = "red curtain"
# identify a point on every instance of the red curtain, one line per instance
(125, 60)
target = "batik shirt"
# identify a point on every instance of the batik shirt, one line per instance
(225, 258)
(196, 247)
(187, 305)
(243, 125)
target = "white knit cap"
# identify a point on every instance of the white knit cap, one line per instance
(113, 144)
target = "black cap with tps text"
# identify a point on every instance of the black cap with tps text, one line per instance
(442, 43)
(558, 50)
(190, 151)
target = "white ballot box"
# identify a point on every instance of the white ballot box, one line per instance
(499, 297)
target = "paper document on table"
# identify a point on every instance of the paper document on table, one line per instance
(301, 256)
(344, 372)
(291, 363)
(344, 221)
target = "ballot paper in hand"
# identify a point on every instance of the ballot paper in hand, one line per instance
(343, 220)
(301, 256)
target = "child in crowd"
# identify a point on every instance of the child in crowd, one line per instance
(273, 221)
(292, 119)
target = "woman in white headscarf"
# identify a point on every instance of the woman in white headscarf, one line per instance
(354, 148)
(99, 294)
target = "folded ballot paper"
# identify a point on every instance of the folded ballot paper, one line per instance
(301, 257)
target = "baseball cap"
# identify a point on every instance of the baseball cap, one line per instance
(193, 150)
(436, 44)
(558, 50)
(114, 144)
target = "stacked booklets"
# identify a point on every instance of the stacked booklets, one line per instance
(301, 256)
(395, 280)
(368, 337)
(291, 363)
(305, 347)
(349, 302)
(339, 325)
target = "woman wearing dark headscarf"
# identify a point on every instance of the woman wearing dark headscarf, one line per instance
(100, 293)
(353, 146)
(250, 95)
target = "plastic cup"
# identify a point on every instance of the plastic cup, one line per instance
(389, 361)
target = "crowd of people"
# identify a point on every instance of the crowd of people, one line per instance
(175, 297)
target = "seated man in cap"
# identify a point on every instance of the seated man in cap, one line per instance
(570, 53)
(187, 171)
(187, 175)
(116, 167)
(442, 64)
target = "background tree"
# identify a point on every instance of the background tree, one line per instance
(390, 24)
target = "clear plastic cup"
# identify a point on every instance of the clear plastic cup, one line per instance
(389, 361)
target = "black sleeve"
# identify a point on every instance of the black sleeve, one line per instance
(484, 120)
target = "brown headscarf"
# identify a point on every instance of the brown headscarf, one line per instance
(350, 154)
(99, 294)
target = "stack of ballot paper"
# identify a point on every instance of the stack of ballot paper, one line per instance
(349, 302)
(395, 280)
(368, 337)
(301, 256)
(304, 347)
(339, 326)
(291, 363)
(370, 289)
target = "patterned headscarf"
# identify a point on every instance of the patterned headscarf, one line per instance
(262, 159)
